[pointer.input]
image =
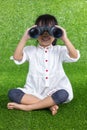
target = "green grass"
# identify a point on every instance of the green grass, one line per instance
(15, 17)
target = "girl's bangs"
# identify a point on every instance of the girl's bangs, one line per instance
(46, 20)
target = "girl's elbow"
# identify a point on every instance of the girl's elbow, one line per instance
(18, 58)
(75, 55)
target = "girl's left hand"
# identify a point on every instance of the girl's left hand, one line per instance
(64, 36)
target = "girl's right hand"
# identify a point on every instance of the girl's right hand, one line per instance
(26, 35)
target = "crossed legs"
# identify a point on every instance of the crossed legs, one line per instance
(30, 102)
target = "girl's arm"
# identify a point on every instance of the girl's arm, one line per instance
(72, 51)
(18, 54)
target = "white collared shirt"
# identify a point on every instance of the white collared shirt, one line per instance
(46, 74)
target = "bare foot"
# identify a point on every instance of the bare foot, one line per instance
(54, 109)
(14, 105)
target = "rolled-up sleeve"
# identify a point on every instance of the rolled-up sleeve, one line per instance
(65, 55)
(24, 59)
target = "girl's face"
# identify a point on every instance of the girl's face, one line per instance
(46, 20)
(45, 39)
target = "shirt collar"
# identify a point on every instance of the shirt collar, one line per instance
(48, 47)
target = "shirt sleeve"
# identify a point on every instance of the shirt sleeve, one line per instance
(64, 55)
(25, 56)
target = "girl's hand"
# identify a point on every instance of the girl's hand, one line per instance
(64, 36)
(26, 35)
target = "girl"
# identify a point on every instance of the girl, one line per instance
(46, 85)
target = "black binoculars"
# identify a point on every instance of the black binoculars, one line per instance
(54, 31)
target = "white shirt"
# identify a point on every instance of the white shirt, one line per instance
(46, 74)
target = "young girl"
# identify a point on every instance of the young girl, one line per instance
(46, 85)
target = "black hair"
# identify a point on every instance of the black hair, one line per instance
(46, 20)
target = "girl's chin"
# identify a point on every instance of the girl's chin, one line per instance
(45, 44)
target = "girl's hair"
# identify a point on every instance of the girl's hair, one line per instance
(46, 20)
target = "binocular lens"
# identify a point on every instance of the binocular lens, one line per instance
(34, 32)
(56, 32)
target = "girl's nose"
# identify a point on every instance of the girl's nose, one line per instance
(45, 33)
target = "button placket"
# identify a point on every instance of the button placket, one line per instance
(46, 68)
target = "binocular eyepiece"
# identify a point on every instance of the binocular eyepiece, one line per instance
(35, 32)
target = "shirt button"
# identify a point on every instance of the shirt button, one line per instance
(45, 51)
(46, 60)
(46, 70)
(46, 77)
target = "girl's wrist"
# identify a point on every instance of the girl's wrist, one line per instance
(64, 39)
(25, 38)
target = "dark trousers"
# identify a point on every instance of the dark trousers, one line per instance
(59, 96)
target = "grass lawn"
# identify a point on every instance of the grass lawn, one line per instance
(15, 17)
